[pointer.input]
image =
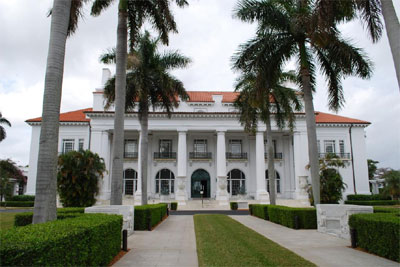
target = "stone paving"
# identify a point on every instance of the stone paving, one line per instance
(172, 243)
(321, 249)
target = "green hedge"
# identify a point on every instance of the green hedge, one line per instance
(25, 218)
(260, 211)
(87, 240)
(286, 216)
(367, 197)
(174, 205)
(233, 205)
(23, 198)
(378, 233)
(386, 210)
(17, 203)
(152, 213)
(372, 202)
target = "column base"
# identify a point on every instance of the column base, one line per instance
(138, 198)
(262, 196)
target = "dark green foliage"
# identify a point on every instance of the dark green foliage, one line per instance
(152, 213)
(17, 204)
(286, 216)
(9, 169)
(368, 197)
(372, 168)
(260, 211)
(25, 218)
(372, 202)
(23, 198)
(233, 205)
(87, 240)
(392, 184)
(378, 233)
(386, 210)
(251, 209)
(78, 178)
(174, 205)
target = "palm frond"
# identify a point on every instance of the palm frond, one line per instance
(370, 12)
(108, 57)
(100, 5)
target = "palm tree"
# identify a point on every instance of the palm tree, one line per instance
(259, 99)
(64, 20)
(131, 15)
(290, 29)
(3, 134)
(149, 84)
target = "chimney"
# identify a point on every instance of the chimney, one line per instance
(106, 75)
(217, 99)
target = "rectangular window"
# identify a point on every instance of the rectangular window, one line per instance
(165, 146)
(68, 145)
(200, 146)
(81, 143)
(235, 146)
(329, 146)
(341, 146)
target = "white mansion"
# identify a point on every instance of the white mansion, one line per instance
(203, 147)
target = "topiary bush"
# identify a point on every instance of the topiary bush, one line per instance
(233, 205)
(296, 218)
(78, 178)
(149, 215)
(174, 205)
(17, 204)
(25, 218)
(23, 198)
(367, 197)
(87, 240)
(372, 202)
(378, 233)
(260, 211)
(386, 210)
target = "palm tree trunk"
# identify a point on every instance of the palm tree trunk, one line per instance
(120, 95)
(393, 32)
(46, 177)
(271, 167)
(144, 143)
(311, 134)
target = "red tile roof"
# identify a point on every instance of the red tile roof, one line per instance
(321, 117)
(200, 96)
(72, 116)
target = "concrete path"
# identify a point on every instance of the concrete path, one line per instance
(321, 249)
(224, 212)
(172, 243)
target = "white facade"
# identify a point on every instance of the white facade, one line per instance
(202, 143)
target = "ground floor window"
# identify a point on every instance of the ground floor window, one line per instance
(277, 181)
(236, 182)
(130, 181)
(165, 181)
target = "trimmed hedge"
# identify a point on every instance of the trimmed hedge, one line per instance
(23, 198)
(25, 218)
(174, 205)
(149, 215)
(260, 211)
(386, 210)
(367, 197)
(372, 202)
(17, 203)
(233, 205)
(87, 240)
(378, 233)
(286, 216)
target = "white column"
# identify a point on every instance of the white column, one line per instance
(138, 193)
(181, 179)
(100, 144)
(300, 159)
(222, 193)
(261, 193)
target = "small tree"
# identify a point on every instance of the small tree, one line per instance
(372, 168)
(78, 178)
(392, 184)
(8, 169)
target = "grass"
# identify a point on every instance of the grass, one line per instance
(222, 241)
(7, 220)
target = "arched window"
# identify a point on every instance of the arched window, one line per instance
(236, 182)
(130, 181)
(277, 181)
(165, 181)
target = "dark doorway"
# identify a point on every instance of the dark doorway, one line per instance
(200, 182)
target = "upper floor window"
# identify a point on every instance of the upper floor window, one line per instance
(235, 146)
(341, 146)
(200, 146)
(68, 145)
(329, 146)
(131, 148)
(266, 146)
(165, 145)
(81, 143)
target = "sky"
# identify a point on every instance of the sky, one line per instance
(208, 34)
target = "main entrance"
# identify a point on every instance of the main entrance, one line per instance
(200, 182)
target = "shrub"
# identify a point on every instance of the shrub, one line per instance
(260, 211)
(23, 198)
(296, 218)
(87, 240)
(25, 218)
(78, 178)
(174, 205)
(386, 210)
(392, 184)
(378, 233)
(368, 197)
(17, 204)
(149, 214)
(233, 205)
(372, 202)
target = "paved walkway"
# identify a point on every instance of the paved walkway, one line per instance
(172, 243)
(321, 249)
(224, 212)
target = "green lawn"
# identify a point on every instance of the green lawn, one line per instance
(222, 241)
(7, 220)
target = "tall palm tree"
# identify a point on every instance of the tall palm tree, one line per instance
(261, 98)
(3, 134)
(131, 15)
(64, 20)
(290, 29)
(149, 84)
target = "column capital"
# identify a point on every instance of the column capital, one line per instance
(260, 133)
(261, 128)
(221, 131)
(182, 130)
